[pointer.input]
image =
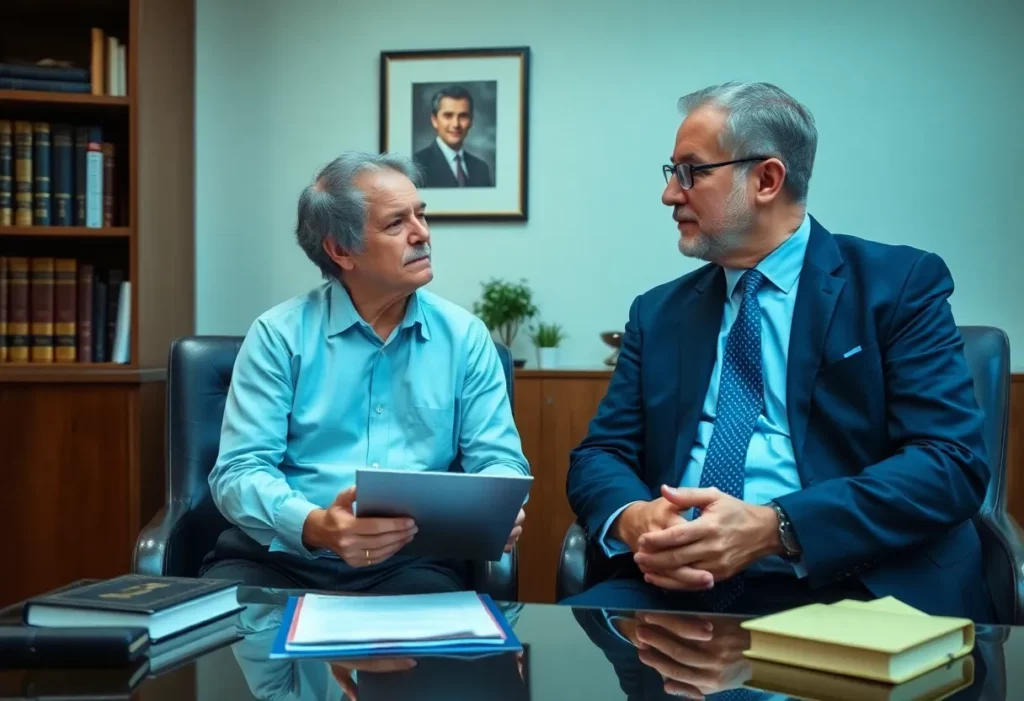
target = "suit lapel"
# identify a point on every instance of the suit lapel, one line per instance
(442, 167)
(700, 324)
(816, 300)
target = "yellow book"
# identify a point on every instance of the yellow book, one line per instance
(810, 684)
(884, 640)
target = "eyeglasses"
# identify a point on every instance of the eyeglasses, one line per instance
(684, 171)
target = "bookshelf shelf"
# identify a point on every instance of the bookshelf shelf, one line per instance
(61, 98)
(99, 373)
(106, 232)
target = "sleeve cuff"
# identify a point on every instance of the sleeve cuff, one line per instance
(288, 523)
(799, 568)
(612, 546)
(610, 620)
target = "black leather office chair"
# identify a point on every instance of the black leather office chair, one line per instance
(181, 534)
(988, 357)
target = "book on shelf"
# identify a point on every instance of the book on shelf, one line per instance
(106, 74)
(56, 174)
(63, 310)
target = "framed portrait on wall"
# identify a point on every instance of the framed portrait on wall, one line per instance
(463, 115)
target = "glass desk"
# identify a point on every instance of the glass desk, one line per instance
(568, 654)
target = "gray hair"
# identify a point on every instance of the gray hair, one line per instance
(763, 120)
(334, 206)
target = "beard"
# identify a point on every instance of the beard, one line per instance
(724, 234)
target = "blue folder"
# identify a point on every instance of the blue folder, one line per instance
(477, 649)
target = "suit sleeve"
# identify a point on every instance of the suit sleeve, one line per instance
(936, 477)
(604, 470)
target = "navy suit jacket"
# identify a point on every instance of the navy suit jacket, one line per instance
(437, 172)
(888, 439)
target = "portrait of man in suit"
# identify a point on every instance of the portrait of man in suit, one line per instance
(447, 160)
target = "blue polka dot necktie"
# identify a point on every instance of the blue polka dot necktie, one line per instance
(740, 401)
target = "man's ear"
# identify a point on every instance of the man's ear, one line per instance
(771, 175)
(339, 255)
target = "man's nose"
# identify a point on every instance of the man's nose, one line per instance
(420, 231)
(673, 193)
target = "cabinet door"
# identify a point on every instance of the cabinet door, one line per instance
(553, 418)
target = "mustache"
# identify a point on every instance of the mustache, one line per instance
(680, 216)
(417, 252)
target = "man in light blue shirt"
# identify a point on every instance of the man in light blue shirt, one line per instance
(367, 369)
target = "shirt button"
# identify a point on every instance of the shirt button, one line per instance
(380, 409)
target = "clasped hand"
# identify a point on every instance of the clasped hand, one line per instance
(674, 553)
(694, 655)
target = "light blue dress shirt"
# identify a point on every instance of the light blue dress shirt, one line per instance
(771, 470)
(316, 394)
(450, 154)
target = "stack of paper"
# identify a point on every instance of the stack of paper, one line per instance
(338, 626)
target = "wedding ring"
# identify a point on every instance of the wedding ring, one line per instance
(368, 560)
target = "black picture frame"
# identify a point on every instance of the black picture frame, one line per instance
(490, 182)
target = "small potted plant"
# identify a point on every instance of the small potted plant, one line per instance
(547, 337)
(504, 307)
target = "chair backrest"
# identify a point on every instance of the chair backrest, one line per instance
(198, 378)
(987, 350)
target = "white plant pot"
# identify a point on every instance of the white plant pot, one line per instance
(547, 358)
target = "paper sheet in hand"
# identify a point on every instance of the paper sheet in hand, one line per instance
(339, 626)
(459, 516)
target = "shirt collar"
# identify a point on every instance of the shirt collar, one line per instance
(447, 150)
(782, 266)
(343, 314)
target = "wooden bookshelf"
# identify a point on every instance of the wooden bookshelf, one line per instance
(83, 442)
(56, 98)
(59, 231)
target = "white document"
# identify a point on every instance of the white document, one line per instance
(448, 617)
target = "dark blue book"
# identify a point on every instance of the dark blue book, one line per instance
(165, 606)
(61, 73)
(43, 205)
(44, 85)
(63, 175)
(81, 183)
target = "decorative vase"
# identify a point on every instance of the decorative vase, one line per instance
(547, 358)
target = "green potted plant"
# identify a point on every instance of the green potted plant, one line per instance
(547, 337)
(504, 307)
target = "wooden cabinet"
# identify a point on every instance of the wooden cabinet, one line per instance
(553, 409)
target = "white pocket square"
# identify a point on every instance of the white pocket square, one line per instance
(852, 351)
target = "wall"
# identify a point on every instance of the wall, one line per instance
(916, 104)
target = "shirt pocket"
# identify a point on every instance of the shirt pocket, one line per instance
(428, 435)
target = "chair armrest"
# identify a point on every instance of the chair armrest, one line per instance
(155, 540)
(499, 579)
(1003, 547)
(573, 569)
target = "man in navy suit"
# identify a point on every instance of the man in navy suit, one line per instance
(793, 421)
(445, 163)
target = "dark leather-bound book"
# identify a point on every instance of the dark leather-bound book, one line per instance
(6, 172)
(63, 185)
(23, 173)
(65, 310)
(86, 273)
(71, 683)
(165, 606)
(18, 337)
(41, 174)
(3, 309)
(41, 295)
(35, 646)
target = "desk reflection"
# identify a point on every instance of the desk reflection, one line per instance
(501, 676)
(671, 655)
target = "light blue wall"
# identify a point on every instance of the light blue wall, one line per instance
(919, 106)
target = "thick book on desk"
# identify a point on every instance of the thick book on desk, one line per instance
(402, 626)
(165, 606)
(800, 683)
(884, 640)
(32, 646)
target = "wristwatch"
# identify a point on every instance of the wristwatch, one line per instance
(790, 545)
